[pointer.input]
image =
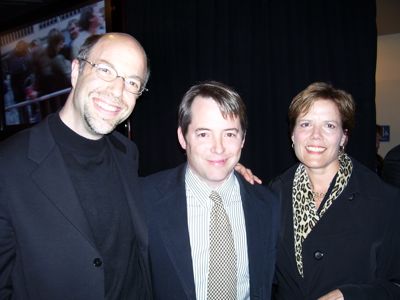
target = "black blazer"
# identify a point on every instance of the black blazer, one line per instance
(355, 247)
(47, 250)
(169, 245)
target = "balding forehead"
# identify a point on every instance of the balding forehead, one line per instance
(128, 40)
(115, 36)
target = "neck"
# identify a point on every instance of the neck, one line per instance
(321, 178)
(320, 185)
(320, 182)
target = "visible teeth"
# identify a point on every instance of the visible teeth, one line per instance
(105, 106)
(315, 149)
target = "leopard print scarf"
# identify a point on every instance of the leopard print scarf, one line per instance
(305, 213)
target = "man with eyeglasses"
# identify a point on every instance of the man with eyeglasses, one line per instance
(70, 226)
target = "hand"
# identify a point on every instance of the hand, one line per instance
(334, 295)
(247, 174)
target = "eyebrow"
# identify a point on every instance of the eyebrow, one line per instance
(305, 119)
(208, 129)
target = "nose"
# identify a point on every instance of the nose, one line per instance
(316, 132)
(117, 86)
(218, 145)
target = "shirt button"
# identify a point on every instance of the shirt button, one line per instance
(318, 255)
(97, 262)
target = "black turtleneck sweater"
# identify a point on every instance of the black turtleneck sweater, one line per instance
(98, 186)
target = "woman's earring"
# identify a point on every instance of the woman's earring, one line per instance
(341, 149)
(292, 146)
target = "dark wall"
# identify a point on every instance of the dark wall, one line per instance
(268, 51)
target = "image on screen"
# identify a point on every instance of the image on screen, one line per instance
(36, 61)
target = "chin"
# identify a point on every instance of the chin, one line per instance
(103, 130)
(217, 178)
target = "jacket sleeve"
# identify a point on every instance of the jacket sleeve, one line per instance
(276, 187)
(386, 284)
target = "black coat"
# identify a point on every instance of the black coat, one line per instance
(355, 247)
(169, 243)
(47, 249)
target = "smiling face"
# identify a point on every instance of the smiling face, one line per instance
(213, 143)
(317, 136)
(95, 106)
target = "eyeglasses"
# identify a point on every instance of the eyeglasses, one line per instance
(104, 71)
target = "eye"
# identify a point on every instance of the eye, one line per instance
(304, 124)
(331, 126)
(231, 134)
(133, 83)
(202, 134)
(105, 70)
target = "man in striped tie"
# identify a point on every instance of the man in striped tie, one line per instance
(212, 235)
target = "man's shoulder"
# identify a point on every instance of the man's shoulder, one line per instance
(165, 176)
(17, 152)
(258, 191)
(393, 154)
(162, 184)
(15, 144)
(284, 180)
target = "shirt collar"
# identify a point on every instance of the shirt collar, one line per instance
(200, 187)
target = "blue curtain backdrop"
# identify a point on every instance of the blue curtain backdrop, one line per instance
(268, 51)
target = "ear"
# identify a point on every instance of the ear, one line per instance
(243, 140)
(343, 141)
(292, 138)
(74, 72)
(181, 138)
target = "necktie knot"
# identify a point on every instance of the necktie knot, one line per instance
(216, 198)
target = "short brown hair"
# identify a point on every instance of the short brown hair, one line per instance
(302, 102)
(228, 100)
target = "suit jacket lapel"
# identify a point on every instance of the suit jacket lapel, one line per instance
(172, 213)
(127, 167)
(257, 235)
(52, 178)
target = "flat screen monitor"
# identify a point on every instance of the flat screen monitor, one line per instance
(36, 61)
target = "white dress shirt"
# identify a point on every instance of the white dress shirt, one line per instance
(198, 210)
